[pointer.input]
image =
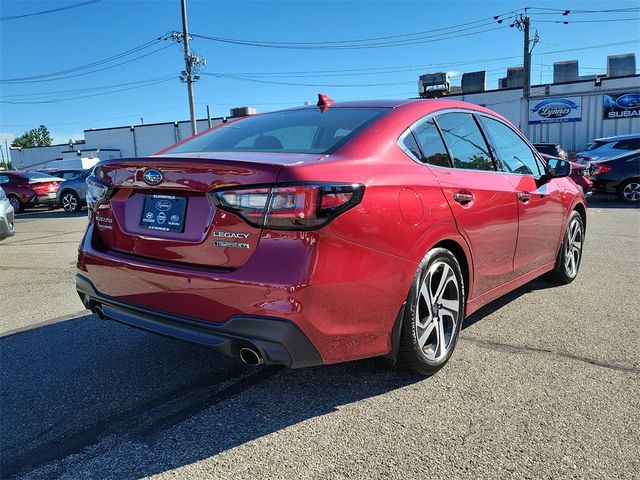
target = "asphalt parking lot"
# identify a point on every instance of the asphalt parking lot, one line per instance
(543, 384)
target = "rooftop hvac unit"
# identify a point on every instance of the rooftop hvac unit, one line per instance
(474, 82)
(515, 77)
(565, 71)
(621, 65)
(502, 83)
(242, 111)
(433, 83)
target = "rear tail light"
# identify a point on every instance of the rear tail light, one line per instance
(44, 188)
(289, 207)
(598, 168)
(97, 193)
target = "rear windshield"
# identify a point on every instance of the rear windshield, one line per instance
(594, 145)
(547, 149)
(306, 130)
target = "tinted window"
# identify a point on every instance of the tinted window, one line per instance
(4, 179)
(594, 145)
(465, 141)
(410, 144)
(630, 144)
(513, 152)
(552, 150)
(37, 175)
(430, 141)
(307, 130)
(70, 175)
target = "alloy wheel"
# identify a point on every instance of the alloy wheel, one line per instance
(15, 203)
(69, 202)
(437, 311)
(631, 191)
(573, 248)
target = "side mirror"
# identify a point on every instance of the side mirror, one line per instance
(557, 168)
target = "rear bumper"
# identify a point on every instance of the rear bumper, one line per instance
(6, 221)
(279, 341)
(45, 199)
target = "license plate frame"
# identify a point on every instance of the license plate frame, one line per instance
(164, 213)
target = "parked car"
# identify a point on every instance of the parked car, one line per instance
(619, 175)
(72, 193)
(602, 148)
(7, 228)
(551, 150)
(65, 174)
(29, 189)
(325, 234)
(579, 173)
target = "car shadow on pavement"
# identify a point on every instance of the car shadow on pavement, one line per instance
(605, 200)
(50, 214)
(72, 384)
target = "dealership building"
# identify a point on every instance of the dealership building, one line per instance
(570, 111)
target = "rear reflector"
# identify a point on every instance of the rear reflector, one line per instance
(289, 207)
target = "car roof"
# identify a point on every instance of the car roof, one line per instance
(615, 138)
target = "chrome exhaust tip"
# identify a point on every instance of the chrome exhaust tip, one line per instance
(251, 357)
(97, 309)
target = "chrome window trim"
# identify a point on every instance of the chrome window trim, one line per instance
(432, 115)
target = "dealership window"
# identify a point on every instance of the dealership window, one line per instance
(514, 154)
(465, 141)
(434, 151)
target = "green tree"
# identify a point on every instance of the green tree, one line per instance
(36, 137)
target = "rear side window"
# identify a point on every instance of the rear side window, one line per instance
(433, 149)
(465, 141)
(513, 152)
(4, 179)
(629, 144)
(306, 130)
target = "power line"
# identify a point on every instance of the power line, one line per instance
(61, 73)
(80, 74)
(607, 20)
(76, 5)
(59, 100)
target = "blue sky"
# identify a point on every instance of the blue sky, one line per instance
(74, 37)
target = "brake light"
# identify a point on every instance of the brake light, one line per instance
(289, 207)
(97, 193)
(598, 168)
(43, 188)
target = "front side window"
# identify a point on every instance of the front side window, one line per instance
(465, 141)
(514, 154)
(307, 130)
(433, 150)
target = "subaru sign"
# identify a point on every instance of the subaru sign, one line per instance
(554, 110)
(152, 177)
(621, 105)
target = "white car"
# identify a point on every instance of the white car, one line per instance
(602, 148)
(6, 217)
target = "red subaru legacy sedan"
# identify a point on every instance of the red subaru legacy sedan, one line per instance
(319, 235)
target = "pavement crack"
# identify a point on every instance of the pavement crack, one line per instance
(505, 347)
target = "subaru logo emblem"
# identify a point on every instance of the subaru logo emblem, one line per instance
(153, 177)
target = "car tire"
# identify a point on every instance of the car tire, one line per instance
(570, 254)
(433, 315)
(629, 191)
(16, 204)
(70, 201)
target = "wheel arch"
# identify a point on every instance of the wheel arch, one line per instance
(582, 210)
(463, 256)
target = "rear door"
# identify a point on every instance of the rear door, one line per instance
(540, 207)
(482, 200)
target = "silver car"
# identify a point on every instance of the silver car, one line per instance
(6, 217)
(603, 148)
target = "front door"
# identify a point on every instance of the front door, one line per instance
(540, 209)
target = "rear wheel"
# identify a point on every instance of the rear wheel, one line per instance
(16, 204)
(70, 202)
(434, 313)
(570, 255)
(629, 191)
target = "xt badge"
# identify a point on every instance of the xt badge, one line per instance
(231, 235)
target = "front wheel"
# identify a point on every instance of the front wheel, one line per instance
(434, 313)
(570, 254)
(71, 202)
(629, 191)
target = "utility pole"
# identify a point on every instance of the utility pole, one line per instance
(188, 61)
(523, 23)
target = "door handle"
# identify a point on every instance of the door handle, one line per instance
(524, 196)
(463, 198)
